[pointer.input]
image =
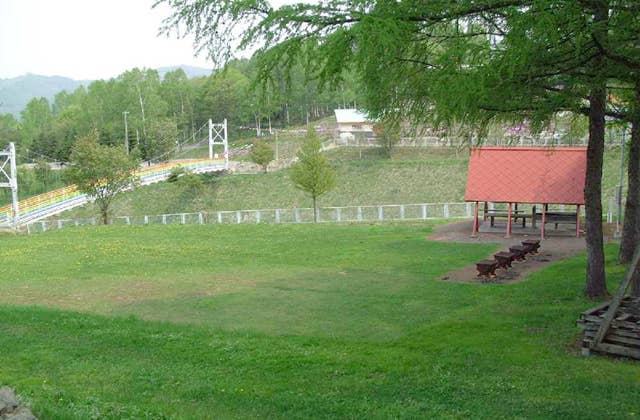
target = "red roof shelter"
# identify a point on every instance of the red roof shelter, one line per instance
(533, 175)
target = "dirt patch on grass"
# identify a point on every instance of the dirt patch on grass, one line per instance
(137, 291)
(551, 250)
(123, 292)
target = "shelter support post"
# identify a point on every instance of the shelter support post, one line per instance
(544, 222)
(476, 221)
(578, 221)
(509, 219)
(533, 216)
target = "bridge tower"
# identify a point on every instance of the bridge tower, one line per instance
(218, 135)
(10, 179)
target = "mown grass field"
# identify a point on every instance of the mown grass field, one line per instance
(365, 177)
(292, 322)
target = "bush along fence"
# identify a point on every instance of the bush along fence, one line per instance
(349, 214)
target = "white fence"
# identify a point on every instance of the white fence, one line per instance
(458, 142)
(350, 214)
(452, 141)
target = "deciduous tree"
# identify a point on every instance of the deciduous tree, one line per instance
(312, 173)
(262, 154)
(101, 172)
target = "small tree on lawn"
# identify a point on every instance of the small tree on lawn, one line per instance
(313, 174)
(388, 135)
(101, 172)
(262, 154)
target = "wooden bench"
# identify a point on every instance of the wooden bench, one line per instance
(532, 245)
(504, 259)
(520, 252)
(515, 215)
(487, 268)
(557, 217)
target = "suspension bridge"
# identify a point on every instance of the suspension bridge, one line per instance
(42, 206)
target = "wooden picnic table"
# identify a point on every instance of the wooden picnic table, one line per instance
(515, 214)
(556, 217)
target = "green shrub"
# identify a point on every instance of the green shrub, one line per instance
(176, 173)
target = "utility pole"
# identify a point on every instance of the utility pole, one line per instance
(126, 132)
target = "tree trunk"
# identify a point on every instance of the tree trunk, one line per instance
(144, 128)
(315, 209)
(635, 284)
(631, 227)
(596, 281)
(104, 215)
(287, 110)
(596, 284)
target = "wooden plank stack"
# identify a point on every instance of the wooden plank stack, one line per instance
(622, 338)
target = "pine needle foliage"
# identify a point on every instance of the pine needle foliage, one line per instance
(313, 174)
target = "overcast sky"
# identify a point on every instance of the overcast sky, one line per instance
(86, 39)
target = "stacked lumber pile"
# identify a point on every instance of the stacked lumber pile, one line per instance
(622, 337)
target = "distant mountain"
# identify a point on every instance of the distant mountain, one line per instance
(191, 71)
(17, 92)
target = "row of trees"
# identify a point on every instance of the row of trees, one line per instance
(163, 111)
(468, 62)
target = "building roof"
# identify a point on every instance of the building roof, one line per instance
(527, 175)
(350, 116)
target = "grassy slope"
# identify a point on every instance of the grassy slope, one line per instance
(278, 322)
(411, 176)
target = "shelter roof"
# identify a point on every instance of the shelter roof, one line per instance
(545, 175)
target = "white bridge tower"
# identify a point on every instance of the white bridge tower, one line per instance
(218, 135)
(10, 179)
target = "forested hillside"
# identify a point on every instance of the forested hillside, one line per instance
(161, 111)
(16, 92)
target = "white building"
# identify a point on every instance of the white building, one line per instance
(352, 122)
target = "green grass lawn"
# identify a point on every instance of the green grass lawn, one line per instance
(292, 322)
(365, 177)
